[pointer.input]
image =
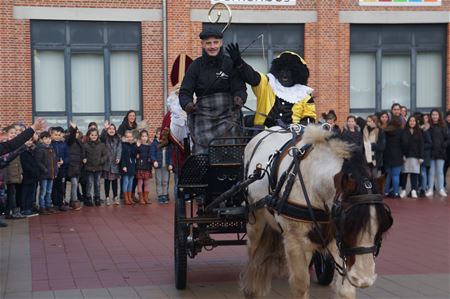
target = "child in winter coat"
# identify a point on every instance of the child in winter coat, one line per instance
(76, 153)
(48, 170)
(413, 148)
(13, 181)
(111, 171)
(144, 167)
(128, 166)
(30, 177)
(62, 154)
(162, 162)
(94, 158)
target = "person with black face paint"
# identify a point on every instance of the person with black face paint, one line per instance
(283, 93)
(220, 93)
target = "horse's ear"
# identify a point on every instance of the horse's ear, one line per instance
(380, 182)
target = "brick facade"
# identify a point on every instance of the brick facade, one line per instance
(327, 44)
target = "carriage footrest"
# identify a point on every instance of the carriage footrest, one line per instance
(231, 211)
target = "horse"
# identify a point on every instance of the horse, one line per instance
(336, 182)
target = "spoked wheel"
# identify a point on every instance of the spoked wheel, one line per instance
(324, 268)
(180, 236)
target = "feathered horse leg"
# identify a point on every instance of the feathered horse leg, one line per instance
(265, 255)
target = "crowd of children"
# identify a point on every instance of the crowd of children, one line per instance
(33, 178)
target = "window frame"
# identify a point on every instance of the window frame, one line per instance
(105, 48)
(411, 49)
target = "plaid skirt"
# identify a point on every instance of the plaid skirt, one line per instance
(143, 174)
(110, 176)
(213, 118)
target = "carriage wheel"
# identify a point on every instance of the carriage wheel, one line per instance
(324, 268)
(180, 235)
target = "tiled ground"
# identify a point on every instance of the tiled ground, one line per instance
(127, 252)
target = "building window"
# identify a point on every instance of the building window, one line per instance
(362, 80)
(85, 71)
(49, 81)
(264, 42)
(397, 64)
(395, 81)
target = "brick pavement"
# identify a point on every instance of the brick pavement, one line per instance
(127, 252)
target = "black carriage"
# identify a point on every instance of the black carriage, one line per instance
(211, 202)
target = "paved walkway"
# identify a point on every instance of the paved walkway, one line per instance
(127, 252)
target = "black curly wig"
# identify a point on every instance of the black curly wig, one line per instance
(294, 65)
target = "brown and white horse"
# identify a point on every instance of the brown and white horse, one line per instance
(335, 178)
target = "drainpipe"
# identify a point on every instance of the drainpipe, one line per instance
(165, 71)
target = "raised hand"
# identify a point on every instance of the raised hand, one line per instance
(235, 54)
(106, 124)
(39, 125)
(73, 125)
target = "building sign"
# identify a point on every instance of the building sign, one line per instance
(400, 2)
(256, 2)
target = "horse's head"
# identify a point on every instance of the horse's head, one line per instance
(360, 220)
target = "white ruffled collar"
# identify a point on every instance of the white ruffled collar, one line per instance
(291, 94)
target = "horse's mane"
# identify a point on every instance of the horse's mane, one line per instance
(315, 135)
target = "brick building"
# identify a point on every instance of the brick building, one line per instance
(89, 59)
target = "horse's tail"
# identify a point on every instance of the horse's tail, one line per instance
(266, 257)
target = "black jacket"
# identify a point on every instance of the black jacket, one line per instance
(439, 142)
(30, 167)
(427, 145)
(412, 144)
(355, 138)
(10, 145)
(95, 154)
(144, 162)
(46, 160)
(128, 160)
(393, 155)
(125, 126)
(208, 75)
(76, 153)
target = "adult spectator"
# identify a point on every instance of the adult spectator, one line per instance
(331, 119)
(393, 157)
(374, 142)
(438, 132)
(427, 145)
(352, 133)
(128, 124)
(404, 114)
(396, 110)
(383, 119)
(412, 143)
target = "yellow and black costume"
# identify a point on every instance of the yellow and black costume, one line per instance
(283, 93)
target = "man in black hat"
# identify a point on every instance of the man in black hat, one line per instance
(220, 93)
